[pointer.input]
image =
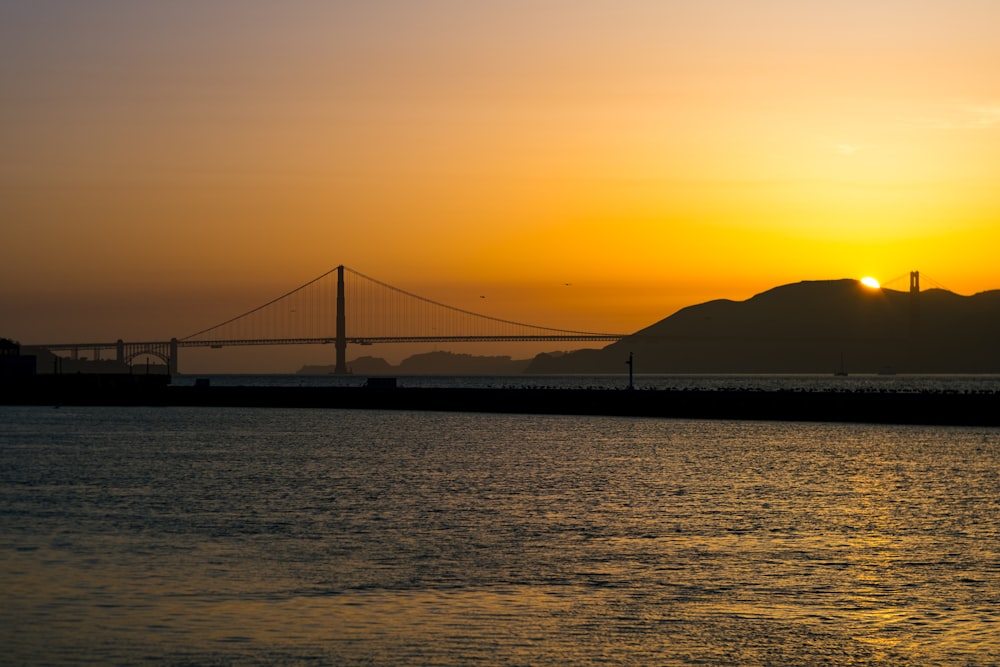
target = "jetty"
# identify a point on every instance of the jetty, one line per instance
(972, 408)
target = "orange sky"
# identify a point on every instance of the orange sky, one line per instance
(165, 166)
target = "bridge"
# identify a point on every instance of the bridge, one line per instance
(340, 307)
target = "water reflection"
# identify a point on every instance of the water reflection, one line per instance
(207, 536)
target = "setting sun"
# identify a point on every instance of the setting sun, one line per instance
(868, 281)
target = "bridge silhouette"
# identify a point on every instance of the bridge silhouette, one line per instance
(340, 307)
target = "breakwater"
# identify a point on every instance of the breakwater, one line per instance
(981, 408)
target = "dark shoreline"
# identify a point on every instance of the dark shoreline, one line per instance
(884, 407)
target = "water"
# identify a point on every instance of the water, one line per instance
(187, 536)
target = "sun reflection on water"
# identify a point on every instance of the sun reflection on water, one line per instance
(222, 537)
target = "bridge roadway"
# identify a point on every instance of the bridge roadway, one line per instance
(167, 351)
(372, 340)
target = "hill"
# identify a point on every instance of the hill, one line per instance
(810, 327)
(430, 363)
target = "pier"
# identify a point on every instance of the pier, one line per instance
(861, 406)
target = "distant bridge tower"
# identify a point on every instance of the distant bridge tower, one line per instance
(341, 343)
(914, 304)
(172, 361)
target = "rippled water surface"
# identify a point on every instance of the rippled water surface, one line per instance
(230, 536)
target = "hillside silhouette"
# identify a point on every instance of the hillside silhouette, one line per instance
(430, 363)
(810, 327)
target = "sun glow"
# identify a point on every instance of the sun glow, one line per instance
(868, 281)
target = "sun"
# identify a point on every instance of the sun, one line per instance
(868, 281)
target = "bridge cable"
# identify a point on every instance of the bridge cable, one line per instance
(261, 307)
(463, 311)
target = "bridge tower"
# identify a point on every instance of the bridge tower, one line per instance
(914, 304)
(172, 361)
(341, 343)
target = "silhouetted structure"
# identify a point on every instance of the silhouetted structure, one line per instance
(12, 363)
(9, 348)
(341, 343)
(930, 407)
(362, 311)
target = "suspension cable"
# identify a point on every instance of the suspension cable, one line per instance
(391, 310)
(462, 310)
(261, 307)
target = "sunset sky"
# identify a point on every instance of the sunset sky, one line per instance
(164, 166)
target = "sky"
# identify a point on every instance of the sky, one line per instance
(165, 166)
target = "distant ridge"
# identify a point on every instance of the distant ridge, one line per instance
(430, 363)
(810, 327)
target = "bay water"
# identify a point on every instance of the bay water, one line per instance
(205, 536)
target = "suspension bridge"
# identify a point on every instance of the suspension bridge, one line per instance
(340, 307)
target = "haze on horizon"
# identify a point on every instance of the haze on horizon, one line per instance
(591, 165)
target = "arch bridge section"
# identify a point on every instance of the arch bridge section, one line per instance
(165, 351)
(123, 352)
